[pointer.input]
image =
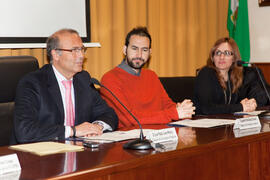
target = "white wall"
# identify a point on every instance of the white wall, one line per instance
(259, 29)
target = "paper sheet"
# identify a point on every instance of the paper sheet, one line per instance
(118, 135)
(204, 123)
(254, 113)
(46, 148)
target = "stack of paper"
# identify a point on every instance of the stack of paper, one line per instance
(203, 123)
(118, 135)
(46, 148)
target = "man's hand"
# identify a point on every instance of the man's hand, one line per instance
(88, 129)
(185, 109)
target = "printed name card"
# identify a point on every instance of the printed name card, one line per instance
(9, 163)
(246, 123)
(246, 132)
(162, 135)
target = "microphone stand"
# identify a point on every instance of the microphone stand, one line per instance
(265, 114)
(137, 144)
(267, 94)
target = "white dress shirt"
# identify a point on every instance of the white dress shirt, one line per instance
(60, 78)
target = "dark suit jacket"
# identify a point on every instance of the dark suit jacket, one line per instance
(39, 112)
(209, 96)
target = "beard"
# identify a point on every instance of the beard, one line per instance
(140, 62)
(136, 65)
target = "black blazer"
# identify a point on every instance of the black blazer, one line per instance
(209, 96)
(39, 111)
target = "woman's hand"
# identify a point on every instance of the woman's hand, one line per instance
(249, 104)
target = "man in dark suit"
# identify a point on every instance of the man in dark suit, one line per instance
(42, 110)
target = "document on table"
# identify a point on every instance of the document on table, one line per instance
(203, 123)
(253, 113)
(46, 148)
(118, 135)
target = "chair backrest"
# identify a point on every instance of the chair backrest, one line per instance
(12, 69)
(178, 88)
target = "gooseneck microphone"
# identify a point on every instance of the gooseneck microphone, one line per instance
(240, 63)
(137, 144)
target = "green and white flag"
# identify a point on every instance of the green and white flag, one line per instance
(238, 27)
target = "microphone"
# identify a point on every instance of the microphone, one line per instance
(137, 144)
(240, 63)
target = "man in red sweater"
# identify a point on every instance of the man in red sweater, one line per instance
(139, 89)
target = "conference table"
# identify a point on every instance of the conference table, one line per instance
(201, 153)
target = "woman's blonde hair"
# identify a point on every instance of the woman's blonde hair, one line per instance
(236, 72)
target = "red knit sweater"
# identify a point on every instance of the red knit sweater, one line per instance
(143, 95)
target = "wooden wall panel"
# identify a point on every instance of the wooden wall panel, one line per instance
(265, 67)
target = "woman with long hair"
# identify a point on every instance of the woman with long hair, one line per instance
(224, 87)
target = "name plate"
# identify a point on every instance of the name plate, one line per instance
(162, 135)
(246, 123)
(246, 132)
(9, 163)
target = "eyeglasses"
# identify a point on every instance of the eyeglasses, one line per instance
(226, 53)
(73, 50)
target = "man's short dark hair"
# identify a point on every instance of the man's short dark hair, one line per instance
(53, 41)
(139, 31)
